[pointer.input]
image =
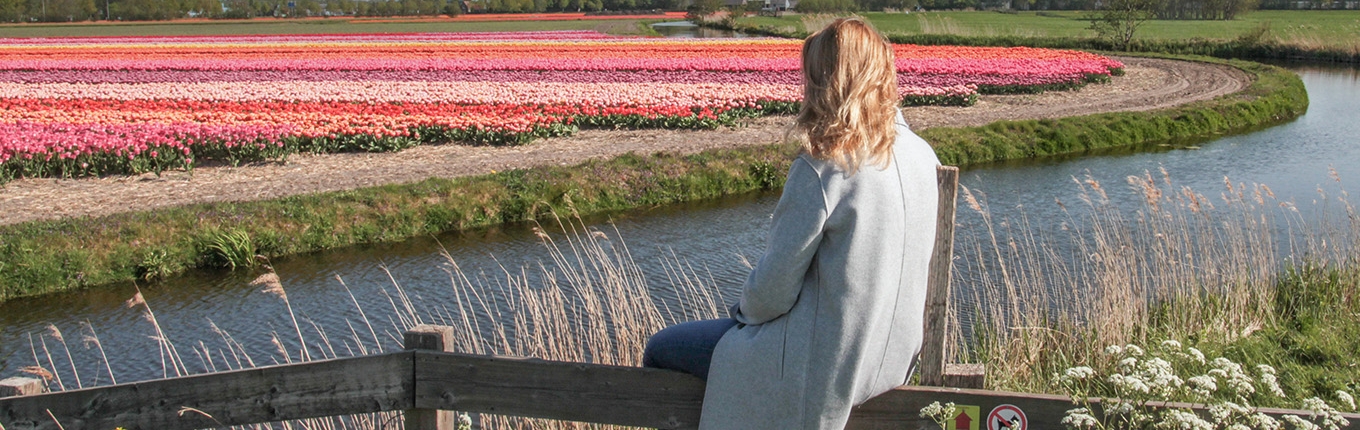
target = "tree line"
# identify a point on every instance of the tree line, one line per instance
(141, 10)
(1160, 9)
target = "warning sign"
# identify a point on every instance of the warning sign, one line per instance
(968, 418)
(1007, 417)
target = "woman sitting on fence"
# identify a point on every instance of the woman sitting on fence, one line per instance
(832, 314)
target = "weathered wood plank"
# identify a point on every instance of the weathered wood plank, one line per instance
(970, 375)
(630, 396)
(430, 338)
(20, 386)
(900, 408)
(937, 285)
(266, 394)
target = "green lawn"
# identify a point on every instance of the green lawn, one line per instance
(308, 26)
(1330, 28)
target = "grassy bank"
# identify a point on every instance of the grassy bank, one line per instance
(1312, 35)
(46, 256)
(1203, 271)
(1273, 96)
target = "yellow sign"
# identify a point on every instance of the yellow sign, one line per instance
(968, 418)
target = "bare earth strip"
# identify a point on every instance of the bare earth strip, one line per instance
(1148, 84)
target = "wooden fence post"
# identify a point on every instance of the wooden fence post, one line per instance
(934, 372)
(434, 338)
(18, 386)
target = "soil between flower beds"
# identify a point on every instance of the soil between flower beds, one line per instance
(1148, 84)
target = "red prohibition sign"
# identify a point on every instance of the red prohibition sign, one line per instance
(1007, 417)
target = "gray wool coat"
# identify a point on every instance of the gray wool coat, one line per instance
(832, 314)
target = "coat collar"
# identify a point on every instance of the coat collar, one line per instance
(900, 120)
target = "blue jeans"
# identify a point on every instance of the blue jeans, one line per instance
(687, 347)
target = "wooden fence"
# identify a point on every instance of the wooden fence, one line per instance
(426, 381)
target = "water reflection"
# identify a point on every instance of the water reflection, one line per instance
(687, 30)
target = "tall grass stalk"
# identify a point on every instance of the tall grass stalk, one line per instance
(587, 302)
(1184, 265)
(1028, 303)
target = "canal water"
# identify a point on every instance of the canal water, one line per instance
(711, 238)
(688, 30)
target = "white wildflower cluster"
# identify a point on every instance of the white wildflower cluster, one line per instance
(464, 421)
(1268, 379)
(1195, 355)
(1236, 381)
(1153, 376)
(1080, 418)
(1346, 399)
(1173, 348)
(938, 413)
(1203, 386)
(1331, 418)
(1122, 408)
(1075, 375)
(1262, 421)
(1183, 420)
(1229, 412)
(1299, 423)
(1144, 380)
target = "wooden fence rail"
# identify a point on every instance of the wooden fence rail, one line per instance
(431, 380)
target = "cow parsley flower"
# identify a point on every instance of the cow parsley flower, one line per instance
(1272, 385)
(1128, 365)
(1079, 373)
(939, 413)
(1300, 423)
(1264, 422)
(1184, 420)
(1346, 399)
(1331, 418)
(1203, 385)
(1129, 383)
(1161, 377)
(1195, 355)
(1080, 418)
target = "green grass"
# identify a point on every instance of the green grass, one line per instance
(1273, 96)
(1325, 35)
(307, 26)
(1312, 342)
(46, 256)
(1341, 25)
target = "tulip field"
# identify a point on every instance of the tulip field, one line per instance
(127, 105)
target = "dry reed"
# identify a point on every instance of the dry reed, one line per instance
(590, 302)
(1032, 303)
(1027, 303)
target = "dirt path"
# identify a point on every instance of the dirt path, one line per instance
(1148, 84)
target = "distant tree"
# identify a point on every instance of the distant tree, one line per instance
(1118, 20)
(826, 6)
(11, 10)
(702, 8)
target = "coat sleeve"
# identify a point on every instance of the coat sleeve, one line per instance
(773, 286)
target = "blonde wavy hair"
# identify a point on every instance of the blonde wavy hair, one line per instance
(850, 95)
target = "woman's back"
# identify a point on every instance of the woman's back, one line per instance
(828, 327)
